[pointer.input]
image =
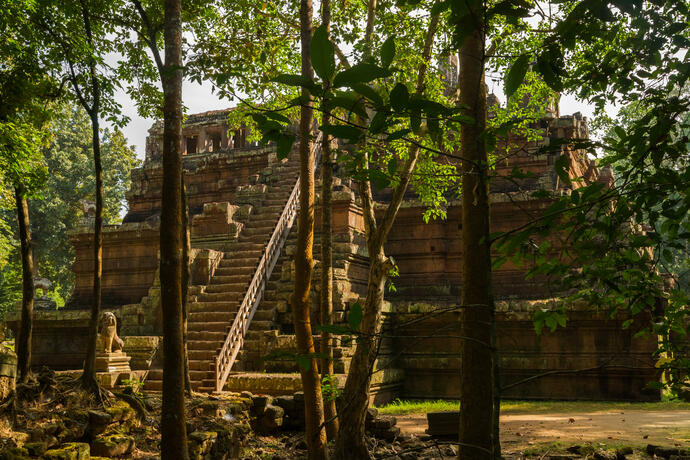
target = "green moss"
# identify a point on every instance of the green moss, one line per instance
(69, 451)
(15, 453)
(121, 411)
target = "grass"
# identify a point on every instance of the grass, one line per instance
(403, 407)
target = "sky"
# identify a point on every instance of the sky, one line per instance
(200, 98)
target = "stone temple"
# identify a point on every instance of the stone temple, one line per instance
(241, 202)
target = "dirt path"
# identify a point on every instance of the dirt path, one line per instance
(635, 428)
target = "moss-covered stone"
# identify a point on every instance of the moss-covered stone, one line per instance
(15, 453)
(36, 449)
(120, 411)
(200, 444)
(69, 451)
(113, 445)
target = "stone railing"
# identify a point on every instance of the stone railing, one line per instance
(235, 338)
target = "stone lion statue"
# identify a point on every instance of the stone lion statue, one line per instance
(109, 340)
(88, 207)
(43, 284)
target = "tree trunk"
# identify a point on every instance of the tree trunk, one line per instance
(350, 444)
(24, 338)
(186, 276)
(326, 301)
(477, 372)
(173, 427)
(313, 404)
(89, 376)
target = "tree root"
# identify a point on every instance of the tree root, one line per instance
(135, 404)
(91, 385)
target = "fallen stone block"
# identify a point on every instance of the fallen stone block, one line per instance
(116, 445)
(69, 451)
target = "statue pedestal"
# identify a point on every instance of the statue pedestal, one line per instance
(116, 361)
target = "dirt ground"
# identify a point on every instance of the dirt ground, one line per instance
(635, 428)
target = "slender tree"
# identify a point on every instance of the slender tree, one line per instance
(173, 425)
(350, 443)
(186, 277)
(75, 40)
(477, 373)
(25, 86)
(24, 339)
(313, 402)
(326, 297)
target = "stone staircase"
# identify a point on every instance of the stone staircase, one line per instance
(212, 308)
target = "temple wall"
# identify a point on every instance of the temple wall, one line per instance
(130, 261)
(592, 358)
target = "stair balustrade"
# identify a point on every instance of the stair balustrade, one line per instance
(235, 339)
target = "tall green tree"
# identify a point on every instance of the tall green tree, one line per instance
(75, 40)
(24, 85)
(56, 210)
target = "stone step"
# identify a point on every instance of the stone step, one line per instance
(218, 306)
(232, 270)
(259, 238)
(205, 355)
(199, 365)
(221, 277)
(214, 326)
(232, 261)
(264, 315)
(238, 246)
(274, 384)
(203, 317)
(200, 337)
(247, 232)
(221, 296)
(197, 375)
(215, 287)
(261, 325)
(243, 254)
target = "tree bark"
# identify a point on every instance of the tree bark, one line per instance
(186, 276)
(173, 427)
(477, 371)
(313, 403)
(326, 300)
(24, 338)
(89, 375)
(350, 444)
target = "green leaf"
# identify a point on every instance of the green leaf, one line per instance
(303, 361)
(392, 166)
(368, 92)
(354, 317)
(562, 167)
(343, 132)
(439, 7)
(363, 72)
(399, 134)
(516, 74)
(387, 52)
(322, 54)
(347, 102)
(277, 116)
(400, 96)
(378, 123)
(284, 145)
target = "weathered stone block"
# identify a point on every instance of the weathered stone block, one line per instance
(115, 445)
(69, 451)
